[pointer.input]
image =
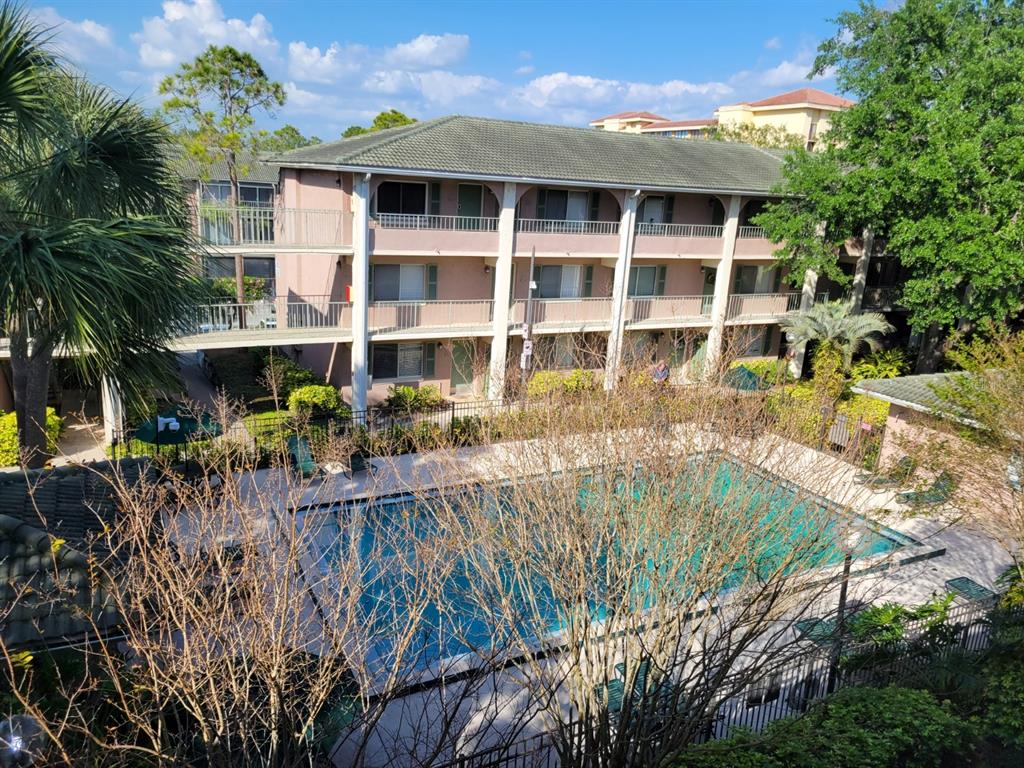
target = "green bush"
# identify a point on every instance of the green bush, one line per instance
(254, 288)
(770, 372)
(288, 374)
(427, 397)
(317, 400)
(9, 435)
(544, 383)
(410, 399)
(884, 364)
(853, 728)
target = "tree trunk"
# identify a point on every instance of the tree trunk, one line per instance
(236, 236)
(932, 350)
(30, 370)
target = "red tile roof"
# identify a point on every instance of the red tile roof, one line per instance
(629, 116)
(664, 125)
(804, 96)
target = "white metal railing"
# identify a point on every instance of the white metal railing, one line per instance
(761, 305)
(563, 227)
(750, 232)
(306, 312)
(679, 230)
(564, 312)
(424, 221)
(410, 315)
(640, 309)
(266, 225)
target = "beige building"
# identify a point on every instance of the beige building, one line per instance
(805, 112)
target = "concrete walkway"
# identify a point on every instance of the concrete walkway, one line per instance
(81, 442)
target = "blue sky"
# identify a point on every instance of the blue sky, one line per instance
(560, 62)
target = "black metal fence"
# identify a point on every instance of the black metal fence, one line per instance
(967, 628)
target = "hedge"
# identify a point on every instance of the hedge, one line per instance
(317, 400)
(9, 436)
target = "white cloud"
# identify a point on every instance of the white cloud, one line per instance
(186, 28)
(436, 86)
(308, 64)
(429, 51)
(526, 69)
(561, 89)
(773, 43)
(80, 41)
(300, 98)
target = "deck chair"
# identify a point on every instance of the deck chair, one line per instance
(612, 695)
(898, 475)
(968, 588)
(938, 493)
(301, 456)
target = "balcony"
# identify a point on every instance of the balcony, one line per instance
(268, 227)
(667, 311)
(696, 240)
(557, 236)
(401, 233)
(429, 317)
(552, 315)
(760, 307)
(751, 242)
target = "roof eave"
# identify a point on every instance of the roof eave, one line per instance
(522, 179)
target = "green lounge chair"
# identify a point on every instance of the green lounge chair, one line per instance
(301, 456)
(640, 676)
(896, 476)
(611, 695)
(968, 588)
(938, 493)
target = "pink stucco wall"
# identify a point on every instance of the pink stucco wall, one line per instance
(442, 240)
(602, 281)
(683, 279)
(313, 274)
(754, 247)
(458, 278)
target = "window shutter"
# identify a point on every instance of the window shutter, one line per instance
(778, 279)
(670, 203)
(369, 284)
(512, 285)
(588, 281)
(542, 202)
(435, 198)
(431, 282)
(659, 288)
(595, 205)
(429, 359)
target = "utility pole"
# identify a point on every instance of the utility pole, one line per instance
(524, 358)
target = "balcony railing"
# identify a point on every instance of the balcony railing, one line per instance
(761, 306)
(679, 230)
(309, 312)
(397, 316)
(561, 227)
(423, 221)
(268, 226)
(750, 232)
(654, 309)
(556, 313)
(881, 297)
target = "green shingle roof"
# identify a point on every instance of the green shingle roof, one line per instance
(917, 392)
(476, 146)
(49, 524)
(251, 169)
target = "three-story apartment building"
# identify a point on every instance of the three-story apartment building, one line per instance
(405, 256)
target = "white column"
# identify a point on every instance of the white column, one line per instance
(860, 274)
(796, 362)
(113, 409)
(723, 282)
(620, 287)
(502, 293)
(360, 280)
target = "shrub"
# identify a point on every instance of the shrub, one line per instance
(288, 374)
(579, 381)
(544, 383)
(254, 288)
(427, 398)
(770, 372)
(9, 435)
(316, 400)
(400, 398)
(884, 364)
(853, 728)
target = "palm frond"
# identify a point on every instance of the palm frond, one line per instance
(25, 61)
(833, 324)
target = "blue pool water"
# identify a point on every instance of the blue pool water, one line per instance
(790, 529)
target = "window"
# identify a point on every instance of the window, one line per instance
(399, 282)
(254, 266)
(402, 361)
(562, 281)
(754, 342)
(751, 279)
(566, 205)
(402, 197)
(219, 192)
(647, 281)
(557, 351)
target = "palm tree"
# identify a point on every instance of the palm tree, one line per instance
(838, 335)
(96, 259)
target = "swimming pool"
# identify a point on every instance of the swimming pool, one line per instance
(780, 525)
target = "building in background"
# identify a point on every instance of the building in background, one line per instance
(805, 112)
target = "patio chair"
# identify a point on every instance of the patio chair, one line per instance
(898, 475)
(938, 493)
(301, 456)
(969, 589)
(611, 695)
